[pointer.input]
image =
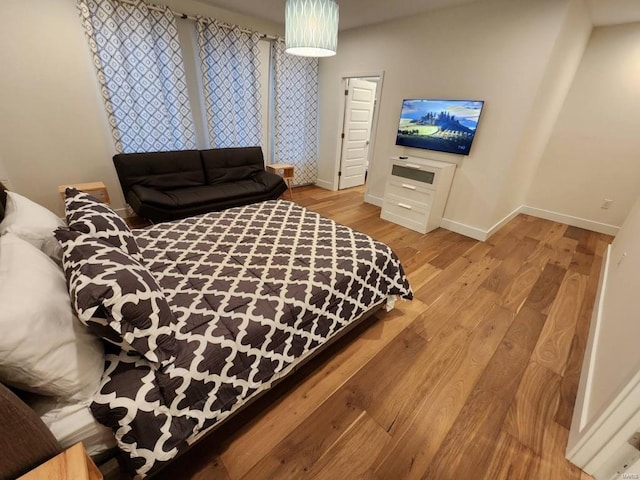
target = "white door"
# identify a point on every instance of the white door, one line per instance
(358, 114)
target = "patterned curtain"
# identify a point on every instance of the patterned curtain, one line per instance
(296, 113)
(231, 79)
(141, 74)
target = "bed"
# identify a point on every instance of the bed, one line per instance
(203, 315)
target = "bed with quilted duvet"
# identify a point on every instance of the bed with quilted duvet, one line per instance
(212, 310)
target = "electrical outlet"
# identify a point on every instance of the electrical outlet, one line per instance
(606, 204)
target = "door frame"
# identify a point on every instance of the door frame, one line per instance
(374, 123)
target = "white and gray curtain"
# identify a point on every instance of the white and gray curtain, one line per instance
(231, 80)
(296, 113)
(141, 74)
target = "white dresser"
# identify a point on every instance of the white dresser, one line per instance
(416, 192)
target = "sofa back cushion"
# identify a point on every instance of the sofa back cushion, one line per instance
(223, 165)
(160, 170)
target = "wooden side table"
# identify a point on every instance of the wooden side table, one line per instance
(286, 171)
(97, 189)
(72, 464)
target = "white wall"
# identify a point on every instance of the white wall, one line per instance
(52, 124)
(617, 356)
(559, 75)
(607, 413)
(53, 128)
(593, 151)
(495, 50)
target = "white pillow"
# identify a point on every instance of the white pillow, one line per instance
(33, 223)
(43, 347)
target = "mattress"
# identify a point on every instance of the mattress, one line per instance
(73, 423)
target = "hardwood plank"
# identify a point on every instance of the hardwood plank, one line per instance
(420, 276)
(511, 460)
(446, 304)
(514, 225)
(434, 288)
(517, 291)
(533, 407)
(555, 234)
(446, 258)
(417, 444)
(478, 251)
(304, 446)
(540, 256)
(562, 253)
(469, 443)
(351, 455)
(504, 247)
(539, 229)
(555, 341)
(503, 275)
(258, 437)
(576, 233)
(430, 247)
(571, 377)
(192, 466)
(581, 263)
(587, 244)
(553, 463)
(396, 408)
(546, 288)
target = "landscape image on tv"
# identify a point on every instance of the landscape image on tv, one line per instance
(442, 125)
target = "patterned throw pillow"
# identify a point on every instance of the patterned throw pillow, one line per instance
(103, 278)
(86, 214)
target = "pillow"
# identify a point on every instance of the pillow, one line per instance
(86, 214)
(32, 223)
(103, 278)
(43, 347)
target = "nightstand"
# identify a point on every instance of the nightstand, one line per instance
(286, 171)
(72, 464)
(97, 189)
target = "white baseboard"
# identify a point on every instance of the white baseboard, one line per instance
(475, 232)
(503, 222)
(324, 184)
(570, 220)
(466, 230)
(374, 200)
(482, 235)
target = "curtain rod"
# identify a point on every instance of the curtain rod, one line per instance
(186, 16)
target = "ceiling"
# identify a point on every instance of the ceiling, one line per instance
(357, 13)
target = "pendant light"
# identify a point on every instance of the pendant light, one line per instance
(311, 27)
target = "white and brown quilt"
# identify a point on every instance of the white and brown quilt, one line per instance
(252, 291)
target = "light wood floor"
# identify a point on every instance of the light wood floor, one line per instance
(474, 379)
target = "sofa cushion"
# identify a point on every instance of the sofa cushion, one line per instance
(160, 170)
(186, 197)
(222, 165)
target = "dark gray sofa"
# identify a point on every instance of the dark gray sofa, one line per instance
(165, 186)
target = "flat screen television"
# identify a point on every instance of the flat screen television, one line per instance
(442, 125)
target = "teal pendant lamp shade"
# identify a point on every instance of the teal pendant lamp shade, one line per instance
(311, 27)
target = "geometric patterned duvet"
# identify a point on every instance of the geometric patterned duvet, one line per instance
(255, 290)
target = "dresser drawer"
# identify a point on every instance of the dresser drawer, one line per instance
(409, 191)
(397, 212)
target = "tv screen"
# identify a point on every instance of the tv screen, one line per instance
(442, 125)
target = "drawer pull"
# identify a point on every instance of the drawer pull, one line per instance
(413, 165)
(404, 205)
(409, 187)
